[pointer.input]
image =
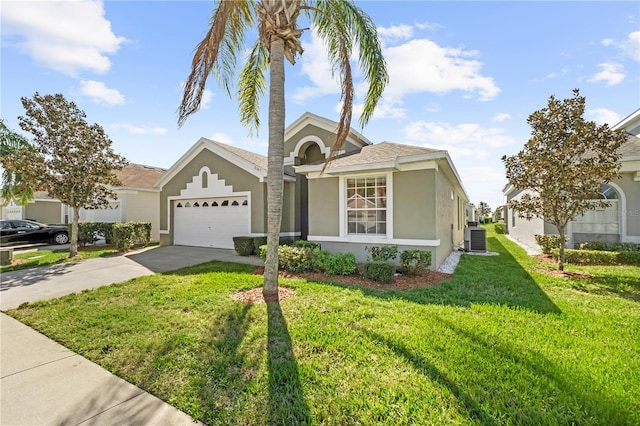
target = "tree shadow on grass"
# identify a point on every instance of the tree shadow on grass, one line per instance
(521, 383)
(287, 405)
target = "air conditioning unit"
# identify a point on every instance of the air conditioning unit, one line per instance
(475, 239)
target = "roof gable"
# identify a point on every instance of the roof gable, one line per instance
(325, 124)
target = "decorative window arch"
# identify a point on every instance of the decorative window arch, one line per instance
(204, 177)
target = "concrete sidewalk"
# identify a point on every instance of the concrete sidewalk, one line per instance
(43, 383)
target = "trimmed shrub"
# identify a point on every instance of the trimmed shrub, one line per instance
(305, 244)
(415, 262)
(105, 229)
(499, 228)
(609, 246)
(379, 271)
(87, 233)
(599, 257)
(130, 234)
(263, 252)
(338, 263)
(548, 242)
(382, 253)
(243, 245)
(258, 242)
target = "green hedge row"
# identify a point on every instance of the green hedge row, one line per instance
(609, 246)
(599, 257)
(123, 235)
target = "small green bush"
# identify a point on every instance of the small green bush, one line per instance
(305, 244)
(609, 246)
(599, 257)
(130, 234)
(339, 263)
(263, 252)
(243, 245)
(499, 228)
(382, 253)
(379, 271)
(548, 242)
(88, 232)
(415, 262)
(257, 243)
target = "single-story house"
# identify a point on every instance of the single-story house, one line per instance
(620, 222)
(137, 200)
(371, 194)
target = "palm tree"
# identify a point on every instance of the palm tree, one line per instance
(12, 185)
(339, 22)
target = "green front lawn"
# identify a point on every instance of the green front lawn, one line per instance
(32, 259)
(503, 342)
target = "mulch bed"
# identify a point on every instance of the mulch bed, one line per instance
(548, 260)
(400, 283)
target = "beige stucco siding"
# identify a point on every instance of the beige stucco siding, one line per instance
(233, 175)
(142, 206)
(445, 217)
(44, 212)
(328, 138)
(288, 223)
(414, 208)
(324, 209)
(631, 211)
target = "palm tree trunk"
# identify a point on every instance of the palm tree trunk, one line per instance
(275, 167)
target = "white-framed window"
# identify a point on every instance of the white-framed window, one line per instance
(366, 205)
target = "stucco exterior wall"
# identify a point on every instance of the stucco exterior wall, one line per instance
(324, 207)
(47, 212)
(239, 179)
(142, 206)
(631, 212)
(328, 138)
(446, 217)
(414, 205)
(288, 224)
(521, 229)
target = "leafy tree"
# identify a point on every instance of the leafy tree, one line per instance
(10, 142)
(564, 163)
(73, 161)
(339, 22)
(484, 209)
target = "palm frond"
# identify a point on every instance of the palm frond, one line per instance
(217, 53)
(252, 85)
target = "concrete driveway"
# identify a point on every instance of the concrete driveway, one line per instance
(48, 282)
(44, 383)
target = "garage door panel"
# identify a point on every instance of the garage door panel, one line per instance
(211, 222)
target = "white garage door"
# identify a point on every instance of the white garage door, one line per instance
(210, 222)
(111, 213)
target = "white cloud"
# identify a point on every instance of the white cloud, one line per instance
(221, 137)
(67, 36)
(315, 64)
(602, 116)
(556, 74)
(421, 65)
(138, 130)
(607, 42)
(611, 73)
(99, 93)
(428, 26)
(500, 117)
(207, 96)
(631, 46)
(395, 32)
(467, 135)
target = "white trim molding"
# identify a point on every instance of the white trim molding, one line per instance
(325, 150)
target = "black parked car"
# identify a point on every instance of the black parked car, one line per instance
(28, 231)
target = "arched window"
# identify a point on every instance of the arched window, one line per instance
(607, 192)
(225, 203)
(205, 204)
(205, 179)
(179, 205)
(245, 203)
(235, 203)
(214, 204)
(196, 204)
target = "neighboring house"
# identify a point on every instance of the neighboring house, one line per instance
(41, 208)
(618, 222)
(372, 194)
(137, 200)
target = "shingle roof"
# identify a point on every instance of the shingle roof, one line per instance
(631, 148)
(379, 153)
(139, 176)
(257, 159)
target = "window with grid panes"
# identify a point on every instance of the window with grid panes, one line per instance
(367, 205)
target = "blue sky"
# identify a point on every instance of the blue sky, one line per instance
(464, 76)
